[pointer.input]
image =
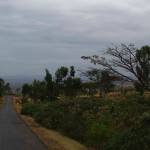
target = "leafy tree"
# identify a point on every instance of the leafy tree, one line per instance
(7, 88)
(72, 71)
(48, 77)
(51, 88)
(89, 88)
(126, 59)
(26, 89)
(143, 66)
(38, 90)
(2, 87)
(72, 85)
(49, 84)
(139, 88)
(64, 75)
(61, 73)
(103, 79)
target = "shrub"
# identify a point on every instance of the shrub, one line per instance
(99, 123)
(145, 119)
(30, 109)
(51, 118)
(75, 127)
(137, 138)
(97, 133)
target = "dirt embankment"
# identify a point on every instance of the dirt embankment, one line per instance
(52, 139)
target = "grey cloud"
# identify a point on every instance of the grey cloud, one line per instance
(38, 34)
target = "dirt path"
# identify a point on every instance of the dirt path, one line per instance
(14, 133)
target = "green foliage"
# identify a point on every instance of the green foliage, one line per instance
(127, 58)
(56, 116)
(105, 82)
(48, 77)
(143, 66)
(89, 88)
(145, 119)
(50, 89)
(30, 109)
(66, 83)
(7, 88)
(97, 133)
(72, 86)
(52, 116)
(139, 88)
(61, 73)
(89, 104)
(101, 80)
(75, 127)
(26, 89)
(119, 124)
(72, 71)
(38, 90)
(3, 87)
(50, 86)
(137, 138)
(99, 123)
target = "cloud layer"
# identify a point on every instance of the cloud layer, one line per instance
(37, 34)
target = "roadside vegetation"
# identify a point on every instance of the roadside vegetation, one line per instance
(4, 89)
(97, 113)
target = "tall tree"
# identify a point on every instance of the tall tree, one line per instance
(49, 85)
(103, 79)
(72, 71)
(2, 87)
(8, 88)
(143, 66)
(61, 73)
(126, 59)
(26, 89)
(72, 86)
(38, 90)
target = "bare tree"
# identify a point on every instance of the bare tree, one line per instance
(126, 58)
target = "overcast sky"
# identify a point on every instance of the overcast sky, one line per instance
(39, 34)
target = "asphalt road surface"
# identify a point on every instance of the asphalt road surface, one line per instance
(14, 134)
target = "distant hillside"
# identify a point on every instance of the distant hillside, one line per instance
(18, 81)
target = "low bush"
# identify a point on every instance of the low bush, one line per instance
(98, 123)
(30, 109)
(137, 138)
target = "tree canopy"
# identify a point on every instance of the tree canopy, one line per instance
(122, 60)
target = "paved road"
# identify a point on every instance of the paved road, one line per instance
(14, 134)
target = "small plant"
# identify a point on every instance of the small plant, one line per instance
(145, 119)
(137, 138)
